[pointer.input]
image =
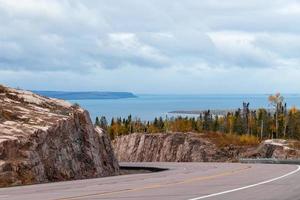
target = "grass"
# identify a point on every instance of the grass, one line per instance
(223, 139)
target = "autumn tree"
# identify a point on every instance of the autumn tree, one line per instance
(277, 102)
(293, 127)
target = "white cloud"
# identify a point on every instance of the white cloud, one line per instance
(121, 49)
(64, 36)
(290, 9)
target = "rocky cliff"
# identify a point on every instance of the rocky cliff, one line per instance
(191, 147)
(44, 139)
(172, 147)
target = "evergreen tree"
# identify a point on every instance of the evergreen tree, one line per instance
(216, 124)
(97, 122)
(103, 123)
(245, 118)
(207, 120)
(239, 123)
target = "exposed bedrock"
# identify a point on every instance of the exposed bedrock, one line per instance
(44, 139)
(276, 148)
(171, 147)
(191, 147)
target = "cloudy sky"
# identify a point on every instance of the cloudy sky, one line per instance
(151, 46)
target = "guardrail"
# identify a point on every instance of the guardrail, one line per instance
(269, 161)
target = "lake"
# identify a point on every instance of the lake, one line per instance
(147, 107)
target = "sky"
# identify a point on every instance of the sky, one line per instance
(151, 46)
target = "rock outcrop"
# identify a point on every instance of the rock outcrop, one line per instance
(44, 139)
(276, 148)
(192, 147)
(172, 147)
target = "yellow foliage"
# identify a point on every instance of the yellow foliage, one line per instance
(293, 110)
(222, 139)
(180, 126)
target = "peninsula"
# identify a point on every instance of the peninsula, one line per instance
(66, 95)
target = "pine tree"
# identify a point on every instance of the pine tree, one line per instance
(103, 123)
(97, 122)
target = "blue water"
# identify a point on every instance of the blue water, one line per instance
(146, 107)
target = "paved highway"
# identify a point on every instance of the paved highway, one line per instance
(183, 181)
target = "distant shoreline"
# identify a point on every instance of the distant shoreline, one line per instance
(86, 95)
(212, 111)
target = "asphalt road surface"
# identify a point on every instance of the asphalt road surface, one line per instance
(183, 181)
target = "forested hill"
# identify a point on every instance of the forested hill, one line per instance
(85, 95)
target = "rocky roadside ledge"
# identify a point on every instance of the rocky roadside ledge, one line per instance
(172, 147)
(191, 147)
(277, 149)
(44, 139)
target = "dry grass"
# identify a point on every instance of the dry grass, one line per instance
(222, 139)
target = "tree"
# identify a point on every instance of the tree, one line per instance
(252, 123)
(238, 123)
(230, 122)
(245, 117)
(207, 120)
(285, 119)
(161, 124)
(262, 116)
(294, 123)
(103, 123)
(166, 124)
(97, 122)
(277, 102)
(216, 124)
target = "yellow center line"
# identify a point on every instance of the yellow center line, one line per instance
(153, 186)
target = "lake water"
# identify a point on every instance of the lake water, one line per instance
(147, 107)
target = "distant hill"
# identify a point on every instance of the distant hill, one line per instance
(85, 95)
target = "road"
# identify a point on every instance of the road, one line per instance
(183, 181)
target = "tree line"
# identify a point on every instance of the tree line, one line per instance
(278, 122)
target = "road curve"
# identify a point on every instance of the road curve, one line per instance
(184, 181)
